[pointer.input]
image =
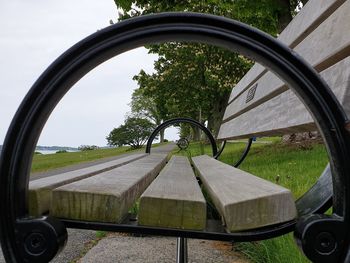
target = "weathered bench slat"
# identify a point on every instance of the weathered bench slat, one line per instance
(285, 113)
(310, 16)
(174, 199)
(40, 190)
(244, 200)
(324, 47)
(108, 196)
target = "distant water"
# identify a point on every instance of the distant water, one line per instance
(50, 151)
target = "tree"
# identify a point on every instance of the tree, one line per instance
(87, 147)
(194, 80)
(134, 132)
(147, 105)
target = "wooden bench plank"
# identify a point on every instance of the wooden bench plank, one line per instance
(174, 199)
(244, 200)
(324, 47)
(267, 87)
(310, 17)
(108, 196)
(40, 190)
(285, 113)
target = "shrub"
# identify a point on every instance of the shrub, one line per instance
(134, 132)
(87, 147)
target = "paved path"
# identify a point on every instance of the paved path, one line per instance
(127, 249)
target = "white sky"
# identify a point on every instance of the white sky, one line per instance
(32, 35)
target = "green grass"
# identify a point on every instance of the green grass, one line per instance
(292, 166)
(46, 162)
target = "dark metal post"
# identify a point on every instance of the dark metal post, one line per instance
(181, 250)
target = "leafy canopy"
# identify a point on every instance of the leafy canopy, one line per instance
(134, 132)
(194, 80)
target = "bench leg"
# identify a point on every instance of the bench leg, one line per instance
(181, 250)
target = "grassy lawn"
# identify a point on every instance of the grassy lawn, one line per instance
(46, 162)
(294, 167)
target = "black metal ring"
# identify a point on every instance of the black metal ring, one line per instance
(243, 156)
(170, 122)
(183, 143)
(48, 90)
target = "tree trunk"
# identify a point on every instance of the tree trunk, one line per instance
(196, 133)
(217, 114)
(161, 135)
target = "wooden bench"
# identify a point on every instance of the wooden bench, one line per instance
(171, 203)
(260, 104)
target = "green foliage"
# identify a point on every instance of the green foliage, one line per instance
(147, 106)
(61, 151)
(101, 234)
(134, 132)
(194, 80)
(45, 162)
(87, 147)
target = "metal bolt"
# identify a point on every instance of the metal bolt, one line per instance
(325, 243)
(35, 243)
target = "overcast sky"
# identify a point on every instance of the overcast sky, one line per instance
(33, 34)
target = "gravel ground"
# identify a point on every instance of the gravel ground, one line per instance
(122, 248)
(77, 245)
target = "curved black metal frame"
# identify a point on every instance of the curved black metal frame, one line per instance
(222, 147)
(245, 153)
(47, 91)
(243, 156)
(174, 121)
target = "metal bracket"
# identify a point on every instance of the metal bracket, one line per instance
(40, 239)
(321, 237)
